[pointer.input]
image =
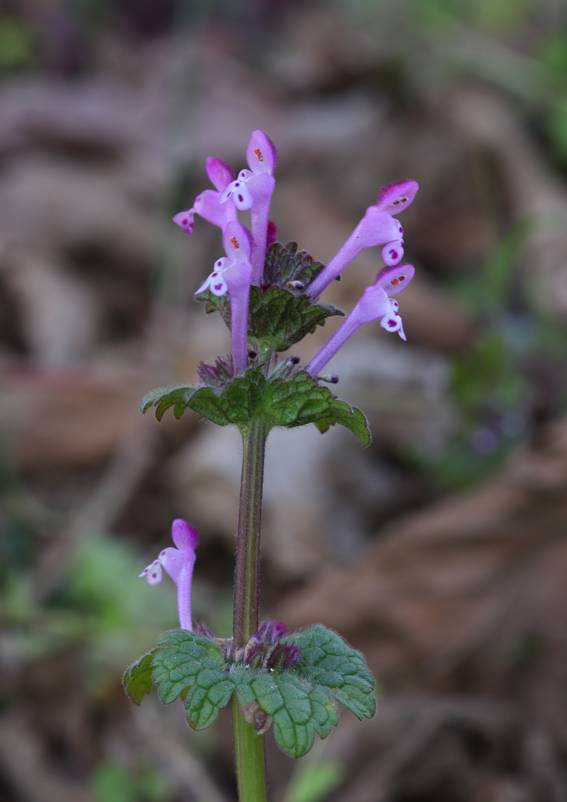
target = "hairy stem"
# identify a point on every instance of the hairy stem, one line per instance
(249, 746)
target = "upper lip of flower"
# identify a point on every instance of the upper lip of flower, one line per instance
(256, 184)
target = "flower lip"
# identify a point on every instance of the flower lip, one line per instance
(395, 279)
(396, 198)
(261, 153)
(185, 220)
(184, 535)
(237, 242)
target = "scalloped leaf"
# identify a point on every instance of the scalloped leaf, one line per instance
(180, 659)
(279, 401)
(137, 680)
(301, 399)
(328, 661)
(298, 708)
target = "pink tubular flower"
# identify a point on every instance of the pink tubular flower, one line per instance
(178, 562)
(207, 204)
(233, 274)
(253, 190)
(377, 303)
(377, 227)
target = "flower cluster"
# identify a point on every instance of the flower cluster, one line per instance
(245, 248)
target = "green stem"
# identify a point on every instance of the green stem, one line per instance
(250, 759)
(249, 746)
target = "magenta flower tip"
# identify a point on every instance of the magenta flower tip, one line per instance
(185, 220)
(261, 153)
(237, 241)
(184, 535)
(272, 233)
(395, 198)
(220, 173)
(395, 279)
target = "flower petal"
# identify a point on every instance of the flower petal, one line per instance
(261, 187)
(220, 173)
(238, 275)
(376, 228)
(373, 305)
(209, 207)
(152, 573)
(239, 193)
(185, 220)
(184, 535)
(393, 323)
(236, 240)
(395, 279)
(395, 198)
(261, 153)
(173, 560)
(393, 252)
(218, 286)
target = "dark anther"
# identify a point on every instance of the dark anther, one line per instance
(252, 354)
(294, 360)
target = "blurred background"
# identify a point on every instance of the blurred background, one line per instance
(440, 551)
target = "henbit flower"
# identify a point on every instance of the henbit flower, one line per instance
(253, 190)
(207, 204)
(377, 227)
(377, 303)
(233, 274)
(178, 562)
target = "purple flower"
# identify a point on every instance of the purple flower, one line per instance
(233, 274)
(377, 227)
(253, 190)
(377, 303)
(178, 562)
(207, 205)
(270, 631)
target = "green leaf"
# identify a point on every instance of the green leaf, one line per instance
(314, 781)
(328, 661)
(163, 398)
(299, 709)
(192, 666)
(279, 318)
(285, 263)
(301, 399)
(288, 401)
(137, 680)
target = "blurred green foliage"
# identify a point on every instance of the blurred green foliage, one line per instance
(18, 44)
(112, 782)
(313, 781)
